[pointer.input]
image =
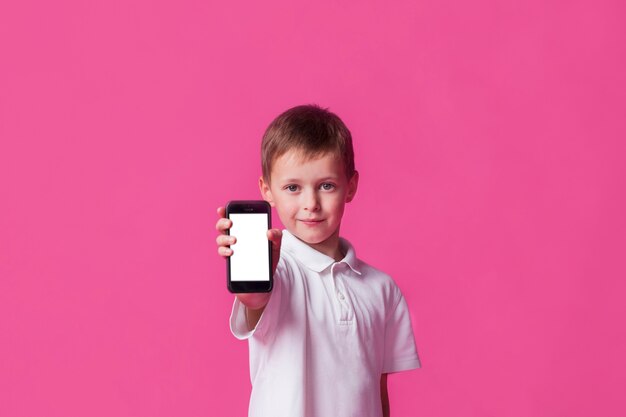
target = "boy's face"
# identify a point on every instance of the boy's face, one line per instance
(310, 195)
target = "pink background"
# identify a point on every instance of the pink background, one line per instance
(490, 140)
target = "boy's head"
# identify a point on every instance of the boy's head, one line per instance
(309, 130)
(308, 172)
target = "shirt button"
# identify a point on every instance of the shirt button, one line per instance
(341, 296)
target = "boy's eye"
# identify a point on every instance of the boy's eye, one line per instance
(327, 186)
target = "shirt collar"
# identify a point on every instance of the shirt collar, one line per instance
(314, 259)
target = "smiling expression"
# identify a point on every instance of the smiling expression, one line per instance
(309, 196)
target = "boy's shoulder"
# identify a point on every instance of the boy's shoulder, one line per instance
(297, 258)
(375, 277)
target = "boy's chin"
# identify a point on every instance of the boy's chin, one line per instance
(312, 238)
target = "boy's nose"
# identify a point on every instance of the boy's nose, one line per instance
(311, 202)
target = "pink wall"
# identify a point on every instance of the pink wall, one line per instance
(490, 140)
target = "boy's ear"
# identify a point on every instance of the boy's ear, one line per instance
(353, 184)
(266, 193)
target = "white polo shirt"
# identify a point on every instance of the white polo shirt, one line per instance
(328, 332)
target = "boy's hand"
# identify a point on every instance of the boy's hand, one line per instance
(253, 301)
(224, 241)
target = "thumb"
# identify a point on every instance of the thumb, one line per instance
(275, 236)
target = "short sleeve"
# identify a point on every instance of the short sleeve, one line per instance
(267, 321)
(400, 351)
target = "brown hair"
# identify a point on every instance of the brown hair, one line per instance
(310, 129)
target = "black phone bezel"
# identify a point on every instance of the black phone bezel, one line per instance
(250, 206)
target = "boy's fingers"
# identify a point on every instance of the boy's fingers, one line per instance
(223, 224)
(224, 251)
(225, 240)
(221, 211)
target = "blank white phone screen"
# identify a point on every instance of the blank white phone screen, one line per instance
(250, 258)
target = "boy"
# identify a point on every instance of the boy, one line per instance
(323, 341)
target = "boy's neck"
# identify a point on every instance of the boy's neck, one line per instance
(330, 247)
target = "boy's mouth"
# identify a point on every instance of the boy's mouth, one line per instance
(312, 222)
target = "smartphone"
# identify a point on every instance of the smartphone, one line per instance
(249, 268)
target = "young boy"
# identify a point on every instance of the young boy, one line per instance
(323, 341)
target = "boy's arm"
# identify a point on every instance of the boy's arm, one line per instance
(384, 395)
(254, 307)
